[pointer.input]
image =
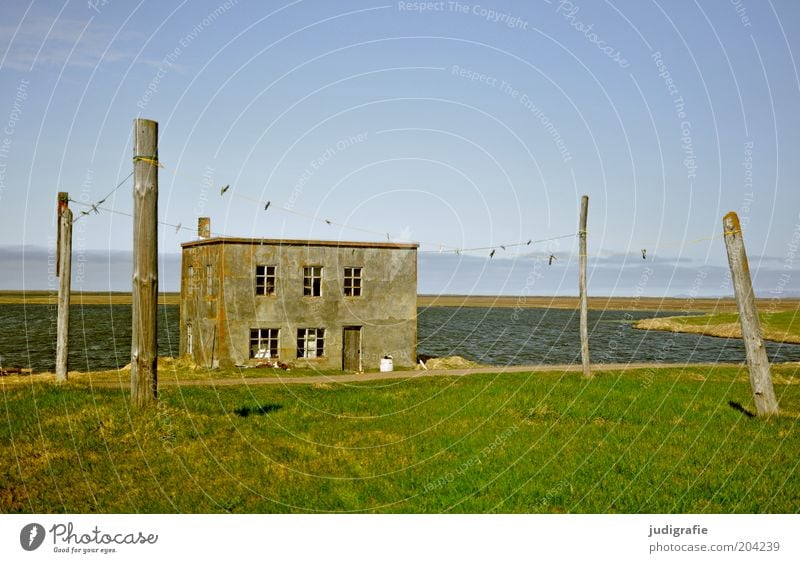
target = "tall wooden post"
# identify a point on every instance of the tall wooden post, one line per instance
(64, 272)
(584, 321)
(144, 345)
(757, 362)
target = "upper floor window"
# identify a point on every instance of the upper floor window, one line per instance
(265, 280)
(312, 281)
(352, 282)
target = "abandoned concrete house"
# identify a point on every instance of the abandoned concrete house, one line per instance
(326, 304)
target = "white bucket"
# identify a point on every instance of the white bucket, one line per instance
(387, 364)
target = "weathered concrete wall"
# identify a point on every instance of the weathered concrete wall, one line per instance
(199, 305)
(386, 310)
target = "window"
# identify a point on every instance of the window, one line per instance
(352, 282)
(192, 279)
(209, 280)
(310, 342)
(263, 343)
(312, 281)
(265, 280)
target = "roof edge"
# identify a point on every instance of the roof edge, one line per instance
(299, 242)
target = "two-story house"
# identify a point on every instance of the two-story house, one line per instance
(326, 304)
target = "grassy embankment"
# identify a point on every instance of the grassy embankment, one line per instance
(781, 326)
(652, 440)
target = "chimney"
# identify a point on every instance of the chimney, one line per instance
(204, 227)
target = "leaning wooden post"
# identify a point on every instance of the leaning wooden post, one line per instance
(64, 272)
(584, 329)
(757, 362)
(144, 345)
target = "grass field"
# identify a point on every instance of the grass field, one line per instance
(721, 305)
(660, 440)
(780, 326)
(16, 297)
(699, 305)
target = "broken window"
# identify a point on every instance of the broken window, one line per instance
(265, 280)
(312, 281)
(352, 282)
(310, 342)
(263, 343)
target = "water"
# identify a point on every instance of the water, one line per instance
(550, 336)
(100, 337)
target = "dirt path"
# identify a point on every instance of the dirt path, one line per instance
(401, 375)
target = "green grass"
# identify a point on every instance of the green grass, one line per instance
(779, 326)
(180, 369)
(781, 322)
(655, 440)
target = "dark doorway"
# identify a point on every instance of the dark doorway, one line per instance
(351, 348)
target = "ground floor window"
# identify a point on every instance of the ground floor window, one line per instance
(310, 342)
(263, 343)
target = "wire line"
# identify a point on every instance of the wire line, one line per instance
(96, 205)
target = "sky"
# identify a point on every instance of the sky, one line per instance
(457, 125)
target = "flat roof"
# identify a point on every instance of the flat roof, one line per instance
(299, 242)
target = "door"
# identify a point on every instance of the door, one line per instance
(351, 348)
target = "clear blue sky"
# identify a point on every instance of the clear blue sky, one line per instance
(468, 124)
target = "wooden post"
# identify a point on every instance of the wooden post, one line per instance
(757, 362)
(64, 271)
(144, 344)
(63, 201)
(584, 321)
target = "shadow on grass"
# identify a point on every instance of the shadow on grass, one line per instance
(738, 407)
(267, 408)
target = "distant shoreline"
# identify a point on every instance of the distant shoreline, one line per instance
(600, 303)
(673, 304)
